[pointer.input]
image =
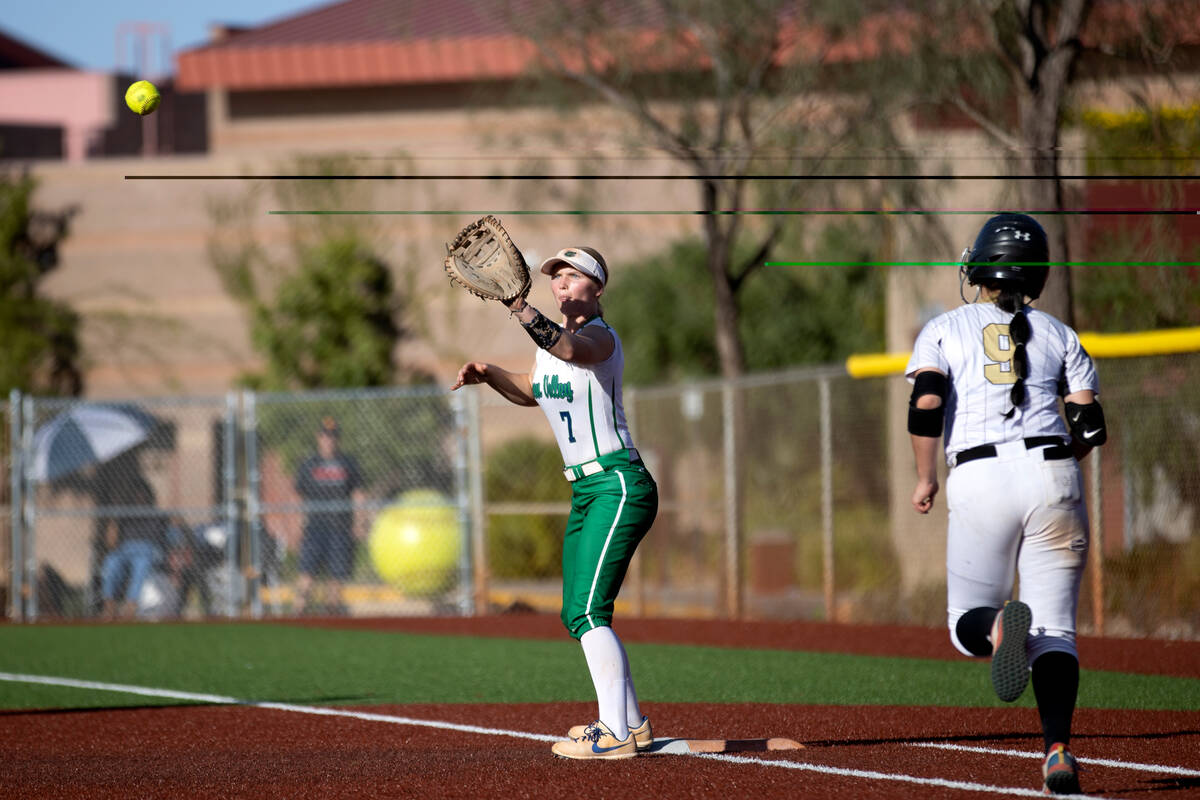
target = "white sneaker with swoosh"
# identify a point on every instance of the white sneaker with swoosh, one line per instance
(597, 742)
(642, 733)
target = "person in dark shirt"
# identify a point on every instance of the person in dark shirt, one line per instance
(136, 541)
(330, 484)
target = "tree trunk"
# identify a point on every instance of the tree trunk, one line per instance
(1046, 63)
(719, 236)
(733, 364)
(1043, 198)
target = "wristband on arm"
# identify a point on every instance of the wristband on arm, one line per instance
(543, 332)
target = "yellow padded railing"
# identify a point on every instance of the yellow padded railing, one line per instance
(1099, 345)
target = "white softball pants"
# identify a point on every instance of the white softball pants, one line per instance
(1018, 515)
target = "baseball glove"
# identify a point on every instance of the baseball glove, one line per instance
(484, 261)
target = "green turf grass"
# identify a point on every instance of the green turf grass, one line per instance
(284, 663)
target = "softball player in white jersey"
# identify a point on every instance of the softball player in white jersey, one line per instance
(576, 379)
(992, 373)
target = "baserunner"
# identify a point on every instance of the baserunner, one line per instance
(990, 375)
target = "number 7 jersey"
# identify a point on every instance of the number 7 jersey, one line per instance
(971, 345)
(583, 402)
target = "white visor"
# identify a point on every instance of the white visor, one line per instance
(580, 260)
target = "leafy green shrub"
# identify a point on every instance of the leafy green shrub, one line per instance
(525, 545)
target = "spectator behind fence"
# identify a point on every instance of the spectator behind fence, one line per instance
(113, 483)
(330, 484)
(136, 540)
(188, 560)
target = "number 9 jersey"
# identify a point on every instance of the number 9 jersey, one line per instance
(583, 402)
(972, 346)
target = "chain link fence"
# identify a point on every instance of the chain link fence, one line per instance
(197, 507)
(783, 495)
(787, 496)
(116, 495)
(391, 477)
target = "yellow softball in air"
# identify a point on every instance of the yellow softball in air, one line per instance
(142, 97)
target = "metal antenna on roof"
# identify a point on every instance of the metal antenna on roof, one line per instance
(141, 34)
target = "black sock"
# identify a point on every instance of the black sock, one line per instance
(1056, 685)
(973, 629)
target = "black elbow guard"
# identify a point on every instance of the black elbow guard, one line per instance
(1087, 423)
(928, 421)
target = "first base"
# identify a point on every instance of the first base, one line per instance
(685, 746)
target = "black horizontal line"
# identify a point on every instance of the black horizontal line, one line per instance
(759, 212)
(498, 177)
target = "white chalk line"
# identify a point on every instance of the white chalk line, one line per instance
(146, 691)
(1104, 762)
(886, 776)
(198, 697)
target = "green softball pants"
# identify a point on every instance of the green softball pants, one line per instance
(610, 513)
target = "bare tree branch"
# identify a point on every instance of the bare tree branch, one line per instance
(997, 132)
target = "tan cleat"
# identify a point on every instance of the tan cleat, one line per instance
(597, 742)
(642, 734)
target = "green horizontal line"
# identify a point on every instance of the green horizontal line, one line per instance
(959, 263)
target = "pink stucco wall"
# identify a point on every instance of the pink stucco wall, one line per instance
(82, 103)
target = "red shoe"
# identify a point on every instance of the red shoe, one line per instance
(1060, 771)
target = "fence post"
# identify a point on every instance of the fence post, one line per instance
(29, 521)
(827, 576)
(636, 573)
(253, 522)
(1097, 543)
(233, 522)
(733, 571)
(462, 502)
(16, 478)
(479, 557)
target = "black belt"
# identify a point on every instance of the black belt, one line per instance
(1055, 452)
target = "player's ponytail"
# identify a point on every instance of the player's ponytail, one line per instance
(1013, 300)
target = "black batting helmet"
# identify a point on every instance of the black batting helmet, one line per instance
(1010, 247)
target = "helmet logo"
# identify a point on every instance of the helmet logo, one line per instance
(1025, 235)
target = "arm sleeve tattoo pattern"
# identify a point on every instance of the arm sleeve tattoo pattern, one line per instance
(543, 332)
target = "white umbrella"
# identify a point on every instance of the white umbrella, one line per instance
(89, 433)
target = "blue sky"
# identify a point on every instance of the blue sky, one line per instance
(84, 32)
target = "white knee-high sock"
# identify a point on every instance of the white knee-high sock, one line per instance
(633, 712)
(605, 661)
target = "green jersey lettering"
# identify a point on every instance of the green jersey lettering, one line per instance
(553, 388)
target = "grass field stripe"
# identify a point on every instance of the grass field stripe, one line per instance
(216, 699)
(1104, 762)
(884, 776)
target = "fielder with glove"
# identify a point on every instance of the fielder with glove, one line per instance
(991, 372)
(576, 379)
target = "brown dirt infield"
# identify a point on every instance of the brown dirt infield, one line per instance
(206, 751)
